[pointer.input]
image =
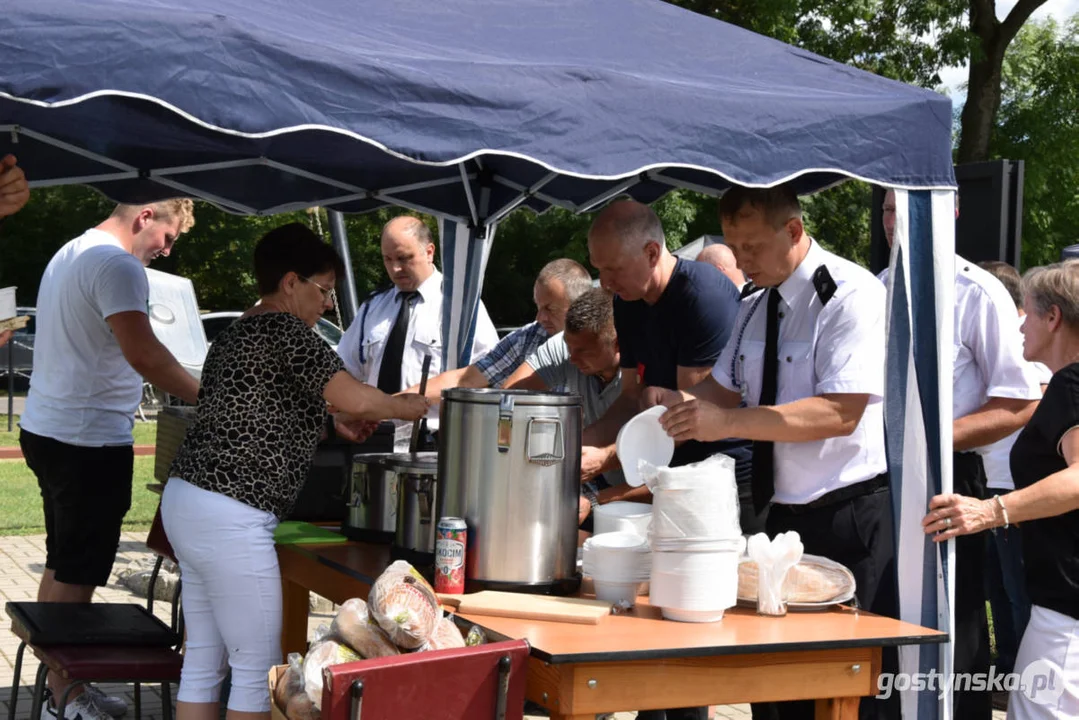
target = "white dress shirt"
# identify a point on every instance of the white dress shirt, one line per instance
(988, 359)
(374, 321)
(837, 347)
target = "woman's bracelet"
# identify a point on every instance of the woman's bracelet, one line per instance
(1003, 510)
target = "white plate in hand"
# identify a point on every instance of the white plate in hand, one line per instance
(643, 438)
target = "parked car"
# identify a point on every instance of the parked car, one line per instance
(20, 349)
(214, 322)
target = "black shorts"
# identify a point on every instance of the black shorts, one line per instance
(86, 492)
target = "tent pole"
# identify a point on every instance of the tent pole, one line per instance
(346, 286)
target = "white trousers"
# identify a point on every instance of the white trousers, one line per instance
(1048, 664)
(231, 594)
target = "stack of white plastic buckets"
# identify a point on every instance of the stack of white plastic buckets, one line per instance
(696, 539)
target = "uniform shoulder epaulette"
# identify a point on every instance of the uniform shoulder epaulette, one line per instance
(379, 290)
(376, 292)
(824, 284)
(748, 289)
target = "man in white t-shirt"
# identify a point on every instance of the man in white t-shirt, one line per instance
(93, 343)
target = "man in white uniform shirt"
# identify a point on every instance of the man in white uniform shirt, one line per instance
(806, 358)
(396, 328)
(93, 343)
(995, 392)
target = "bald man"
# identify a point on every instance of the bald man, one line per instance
(397, 327)
(672, 317)
(721, 258)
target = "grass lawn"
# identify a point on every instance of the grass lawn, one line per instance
(145, 433)
(20, 499)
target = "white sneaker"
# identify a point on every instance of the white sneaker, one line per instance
(81, 708)
(112, 705)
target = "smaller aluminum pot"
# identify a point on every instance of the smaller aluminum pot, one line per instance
(417, 498)
(371, 513)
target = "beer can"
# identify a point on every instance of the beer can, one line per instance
(450, 543)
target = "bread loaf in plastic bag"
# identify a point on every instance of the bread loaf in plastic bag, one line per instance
(322, 655)
(404, 605)
(355, 627)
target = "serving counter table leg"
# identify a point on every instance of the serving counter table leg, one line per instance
(295, 606)
(837, 709)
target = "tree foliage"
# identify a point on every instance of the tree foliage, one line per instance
(1039, 123)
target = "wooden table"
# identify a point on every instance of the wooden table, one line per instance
(639, 661)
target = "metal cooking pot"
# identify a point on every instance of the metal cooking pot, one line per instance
(417, 493)
(371, 511)
(509, 464)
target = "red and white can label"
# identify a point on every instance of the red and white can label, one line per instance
(450, 545)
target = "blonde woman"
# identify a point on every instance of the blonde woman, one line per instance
(1045, 467)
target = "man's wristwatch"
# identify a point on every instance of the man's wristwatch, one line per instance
(591, 493)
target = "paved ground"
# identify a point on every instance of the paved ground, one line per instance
(21, 563)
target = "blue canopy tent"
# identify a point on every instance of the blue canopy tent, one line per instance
(469, 109)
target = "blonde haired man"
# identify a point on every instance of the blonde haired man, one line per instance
(93, 343)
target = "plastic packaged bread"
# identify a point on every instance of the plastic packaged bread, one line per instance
(445, 636)
(289, 692)
(813, 580)
(319, 657)
(355, 627)
(404, 605)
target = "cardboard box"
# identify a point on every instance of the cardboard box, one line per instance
(7, 303)
(277, 673)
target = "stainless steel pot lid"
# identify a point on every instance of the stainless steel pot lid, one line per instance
(526, 398)
(418, 462)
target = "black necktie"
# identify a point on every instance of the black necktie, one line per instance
(764, 484)
(389, 373)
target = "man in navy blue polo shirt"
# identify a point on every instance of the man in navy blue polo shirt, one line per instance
(673, 318)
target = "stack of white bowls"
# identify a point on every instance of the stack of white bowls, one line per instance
(618, 563)
(696, 540)
(621, 516)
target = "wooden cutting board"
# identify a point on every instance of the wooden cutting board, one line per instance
(529, 607)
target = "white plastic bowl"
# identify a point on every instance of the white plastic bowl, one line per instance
(617, 557)
(704, 581)
(616, 592)
(622, 516)
(692, 616)
(643, 438)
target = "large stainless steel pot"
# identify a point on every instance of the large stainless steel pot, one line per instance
(417, 493)
(509, 464)
(371, 511)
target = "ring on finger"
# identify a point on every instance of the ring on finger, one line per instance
(947, 522)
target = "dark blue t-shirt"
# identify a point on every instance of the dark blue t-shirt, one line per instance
(688, 326)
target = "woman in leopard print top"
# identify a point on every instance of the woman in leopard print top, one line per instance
(261, 411)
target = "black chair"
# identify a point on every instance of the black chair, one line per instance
(101, 642)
